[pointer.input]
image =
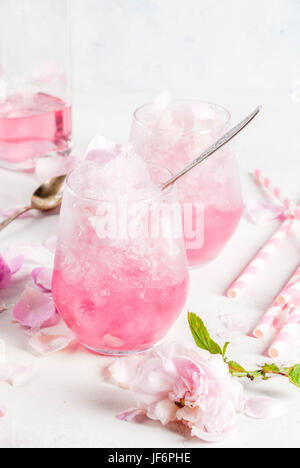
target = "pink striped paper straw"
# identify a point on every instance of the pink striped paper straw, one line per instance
(288, 204)
(250, 272)
(291, 289)
(268, 320)
(286, 335)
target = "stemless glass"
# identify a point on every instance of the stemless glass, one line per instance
(211, 193)
(35, 85)
(118, 292)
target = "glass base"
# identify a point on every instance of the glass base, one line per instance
(118, 352)
(29, 164)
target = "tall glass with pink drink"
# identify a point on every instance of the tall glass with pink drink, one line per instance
(120, 278)
(35, 85)
(175, 133)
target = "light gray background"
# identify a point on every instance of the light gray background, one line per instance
(147, 45)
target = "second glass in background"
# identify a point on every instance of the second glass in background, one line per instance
(35, 83)
(211, 193)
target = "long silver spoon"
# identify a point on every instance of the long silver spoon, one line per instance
(215, 147)
(49, 195)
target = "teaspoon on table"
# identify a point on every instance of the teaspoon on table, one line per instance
(49, 195)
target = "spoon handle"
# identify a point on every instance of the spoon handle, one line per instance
(18, 213)
(215, 147)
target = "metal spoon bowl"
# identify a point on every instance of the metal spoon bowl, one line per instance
(47, 197)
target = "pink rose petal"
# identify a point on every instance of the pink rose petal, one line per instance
(233, 323)
(20, 375)
(207, 436)
(15, 264)
(164, 411)
(132, 414)
(42, 277)
(260, 212)
(100, 149)
(53, 321)
(15, 374)
(54, 166)
(34, 309)
(264, 408)
(9, 265)
(123, 370)
(5, 273)
(45, 344)
(2, 411)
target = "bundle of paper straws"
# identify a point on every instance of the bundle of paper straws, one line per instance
(284, 314)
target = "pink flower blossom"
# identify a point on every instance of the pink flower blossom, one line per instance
(175, 383)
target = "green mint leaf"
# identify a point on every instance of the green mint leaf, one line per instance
(225, 349)
(201, 335)
(294, 375)
(270, 368)
(234, 367)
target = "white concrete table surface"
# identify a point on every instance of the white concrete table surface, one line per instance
(68, 403)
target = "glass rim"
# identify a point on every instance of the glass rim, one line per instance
(191, 100)
(74, 192)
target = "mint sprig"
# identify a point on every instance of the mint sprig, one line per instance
(201, 335)
(204, 341)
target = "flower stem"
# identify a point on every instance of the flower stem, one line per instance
(264, 372)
